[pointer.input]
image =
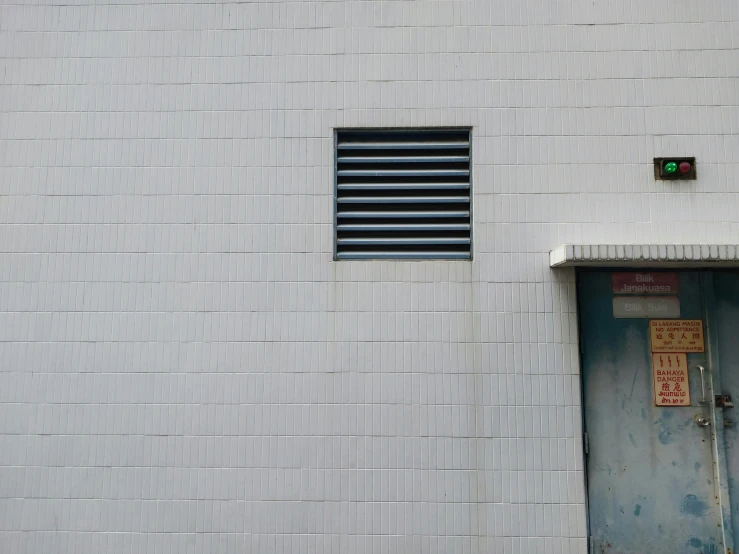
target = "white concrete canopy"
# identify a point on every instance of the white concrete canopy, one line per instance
(645, 255)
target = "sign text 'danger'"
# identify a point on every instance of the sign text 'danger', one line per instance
(670, 375)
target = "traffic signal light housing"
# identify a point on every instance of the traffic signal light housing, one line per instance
(674, 169)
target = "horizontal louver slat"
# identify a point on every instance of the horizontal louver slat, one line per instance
(401, 215)
(403, 199)
(403, 194)
(416, 241)
(407, 227)
(404, 145)
(404, 186)
(403, 255)
(403, 159)
(371, 172)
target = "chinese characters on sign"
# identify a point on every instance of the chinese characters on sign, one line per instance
(676, 335)
(670, 374)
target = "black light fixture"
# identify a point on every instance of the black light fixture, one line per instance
(673, 169)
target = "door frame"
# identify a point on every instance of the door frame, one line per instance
(718, 437)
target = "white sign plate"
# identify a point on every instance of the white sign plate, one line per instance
(646, 307)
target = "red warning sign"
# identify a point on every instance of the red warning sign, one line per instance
(671, 385)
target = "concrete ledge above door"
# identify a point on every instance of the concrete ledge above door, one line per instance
(645, 255)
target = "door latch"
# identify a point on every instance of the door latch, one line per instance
(724, 401)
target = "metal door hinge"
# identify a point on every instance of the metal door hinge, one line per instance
(591, 545)
(587, 443)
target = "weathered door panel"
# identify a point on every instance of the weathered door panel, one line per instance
(726, 321)
(650, 473)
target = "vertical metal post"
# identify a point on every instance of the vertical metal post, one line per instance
(718, 439)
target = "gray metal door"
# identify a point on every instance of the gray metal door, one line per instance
(651, 485)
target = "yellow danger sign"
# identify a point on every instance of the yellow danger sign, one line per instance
(676, 335)
(670, 374)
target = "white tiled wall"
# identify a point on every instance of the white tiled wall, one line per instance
(183, 366)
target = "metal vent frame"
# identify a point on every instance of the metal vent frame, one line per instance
(371, 192)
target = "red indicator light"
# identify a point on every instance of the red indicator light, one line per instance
(684, 167)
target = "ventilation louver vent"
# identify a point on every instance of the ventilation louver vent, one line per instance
(403, 194)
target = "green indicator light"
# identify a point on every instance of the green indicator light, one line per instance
(670, 167)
